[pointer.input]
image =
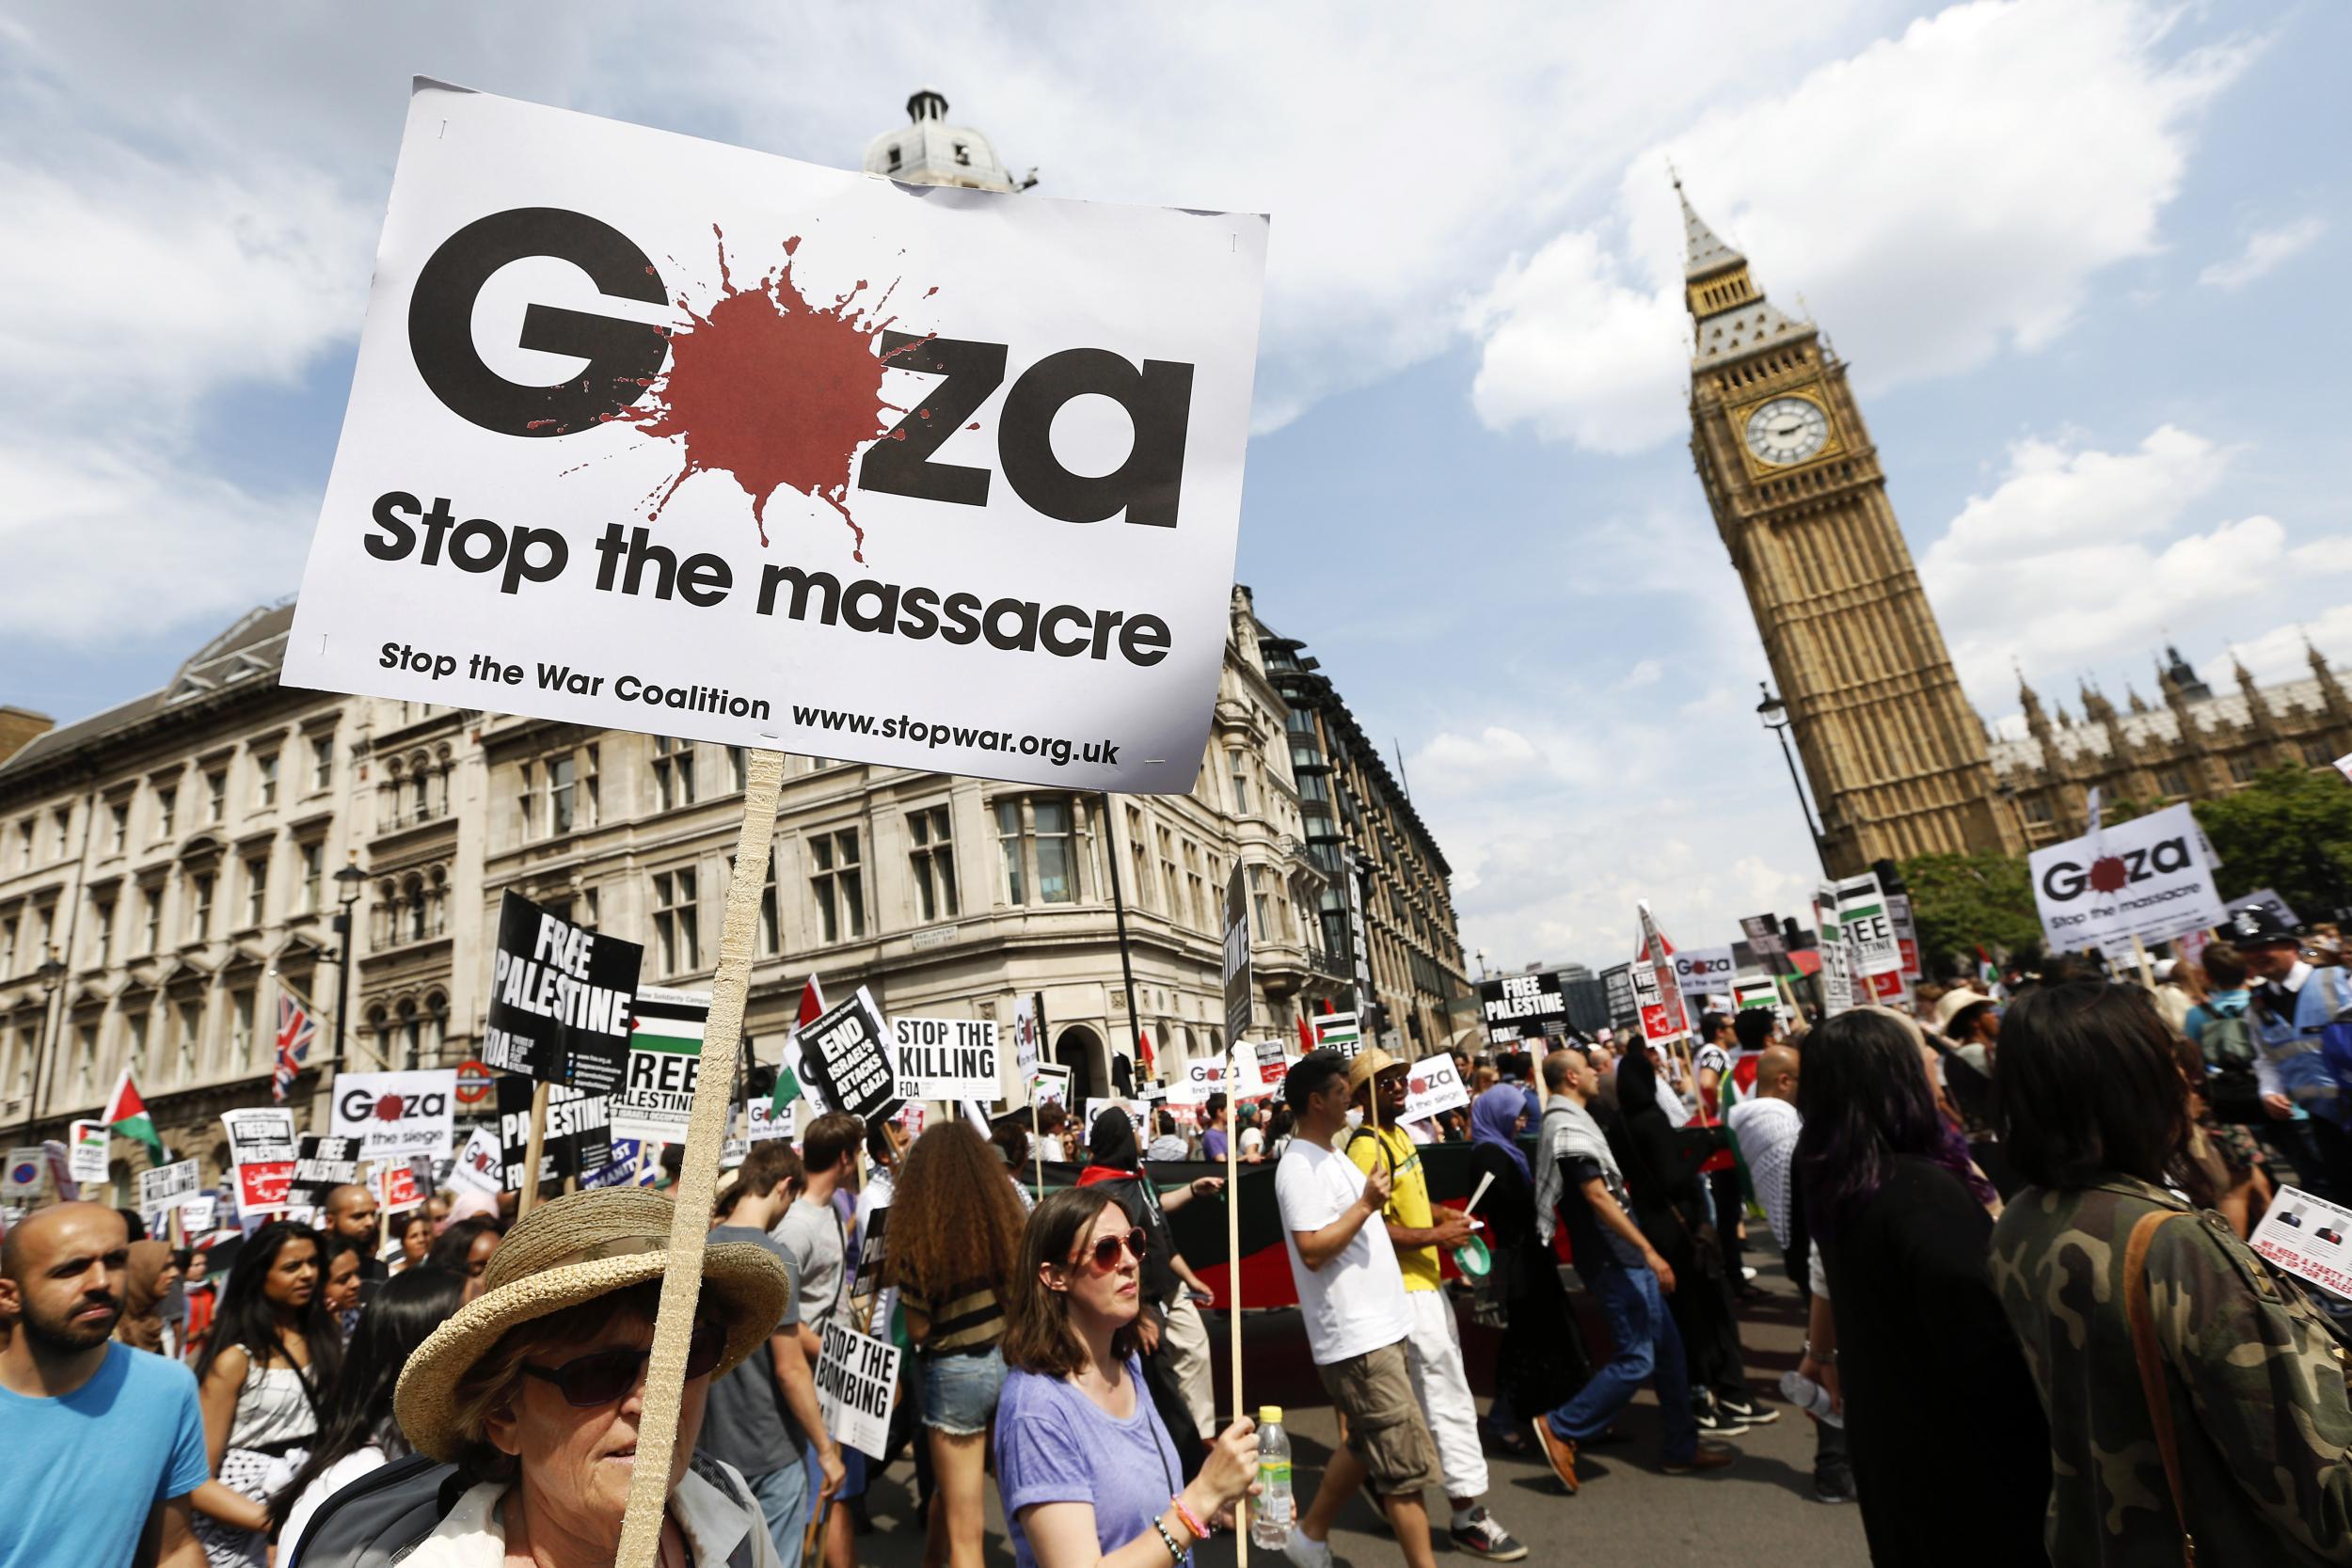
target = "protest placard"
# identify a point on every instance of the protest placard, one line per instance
(946, 1058)
(561, 995)
(664, 1064)
(263, 1188)
(1657, 996)
(397, 1188)
(1028, 1033)
(1510, 1002)
(480, 1166)
(857, 1379)
(845, 1059)
(2145, 878)
(1906, 934)
(579, 1136)
(1337, 1031)
(168, 1186)
(1869, 929)
(259, 1135)
(394, 1114)
(1432, 1085)
(1703, 972)
(2305, 1235)
(321, 1165)
(499, 537)
(1757, 992)
(1203, 1076)
(199, 1215)
(1137, 1117)
(1049, 1085)
(87, 1150)
(1241, 992)
(761, 1122)
(59, 1161)
(1765, 939)
(1836, 953)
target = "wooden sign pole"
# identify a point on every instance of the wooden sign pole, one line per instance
(1233, 1291)
(536, 1149)
(698, 1177)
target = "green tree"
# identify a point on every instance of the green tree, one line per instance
(2289, 830)
(1961, 902)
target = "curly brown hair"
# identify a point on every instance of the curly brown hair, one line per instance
(955, 1220)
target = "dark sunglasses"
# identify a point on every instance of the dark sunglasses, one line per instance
(1106, 1252)
(605, 1376)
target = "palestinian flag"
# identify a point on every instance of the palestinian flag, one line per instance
(126, 1116)
(1987, 976)
(788, 1082)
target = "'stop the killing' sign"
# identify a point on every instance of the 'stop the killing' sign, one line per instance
(656, 434)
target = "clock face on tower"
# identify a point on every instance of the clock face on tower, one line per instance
(1786, 430)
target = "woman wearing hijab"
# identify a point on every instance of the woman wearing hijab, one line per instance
(1541, 1360)
(1670, 1204)
(148, 1280)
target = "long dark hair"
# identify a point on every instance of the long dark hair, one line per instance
(452, 1250)
(358, 1409)
(955, 1221)
(2089, 1085)
(1865, 1098)
(245, 1319)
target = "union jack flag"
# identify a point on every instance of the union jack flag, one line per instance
(296, 1029)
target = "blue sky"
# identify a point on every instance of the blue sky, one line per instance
(2078, 253)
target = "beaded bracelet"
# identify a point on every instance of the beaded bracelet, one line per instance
(1199, 1530)
(1175, 1552)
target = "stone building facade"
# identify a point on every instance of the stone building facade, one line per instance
(2197, 743)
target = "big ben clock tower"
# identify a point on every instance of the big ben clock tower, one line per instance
(1895, 756)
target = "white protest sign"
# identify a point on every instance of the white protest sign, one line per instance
(1704, 971)
(395, 1113)
(1834, 955)
(1206, 1075)
(664, 1060)
(1049, 1085)
(20, 1178)
(88, 1152)
(857, 1378)
(199, 1214)
(2147, 878)
(1027, 1030)
(2305, 1236)
(945, 1058)
(761, 1122)
(748, 450)
(1432, 1086)
(480, 1166)
(1863, 914)
(168, 1186)
(260, 1136)
(1134, 1115)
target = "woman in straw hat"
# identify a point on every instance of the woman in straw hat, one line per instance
(535, 1389)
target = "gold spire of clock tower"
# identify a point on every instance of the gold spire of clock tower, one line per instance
(1893, 755)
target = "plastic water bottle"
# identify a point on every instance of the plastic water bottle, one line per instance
(1809, 1396)
(1272, 1510)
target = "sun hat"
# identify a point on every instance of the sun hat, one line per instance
(1368, 1063)
(569, 1250)
(1948, 1005)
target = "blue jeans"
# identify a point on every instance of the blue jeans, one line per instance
(1647, 1350)
(783, 1502)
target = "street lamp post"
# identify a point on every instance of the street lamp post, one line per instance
(52, 973)
(348, 881)
(1775, 714)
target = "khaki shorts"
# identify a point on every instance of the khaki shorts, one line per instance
(1385, 1430)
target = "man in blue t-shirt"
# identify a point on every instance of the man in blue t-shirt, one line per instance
(101, 1443)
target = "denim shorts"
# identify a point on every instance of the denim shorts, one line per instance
(960, 1391)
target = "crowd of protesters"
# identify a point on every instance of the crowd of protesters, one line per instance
(2016, 1219)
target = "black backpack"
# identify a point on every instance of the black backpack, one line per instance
(2232, 1092)
(380, 1519)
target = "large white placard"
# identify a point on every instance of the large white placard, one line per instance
(2147, 878)
(2306, 1236)
(857, 1378)
(946, 1058)
(1703, 972)
(1432, 1086)
(168, 1186)
(662, 434)
(396, 1114)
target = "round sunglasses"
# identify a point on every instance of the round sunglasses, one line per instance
(1106, 1252)
(604, 1376)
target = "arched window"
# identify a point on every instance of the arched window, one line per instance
(384, 919)
(380, 1030)
(436, 1027)
(411, 1034)
(412, 908)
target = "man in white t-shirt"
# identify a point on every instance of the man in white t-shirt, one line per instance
(1351, 1294)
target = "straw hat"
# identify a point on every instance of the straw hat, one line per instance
(574, 1249)
(1368, 1063)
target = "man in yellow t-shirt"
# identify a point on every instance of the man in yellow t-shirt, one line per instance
(1434, 1348)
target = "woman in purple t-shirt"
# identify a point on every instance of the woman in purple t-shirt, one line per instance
(1087, 1473)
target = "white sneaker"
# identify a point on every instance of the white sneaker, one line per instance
(1306, 1553)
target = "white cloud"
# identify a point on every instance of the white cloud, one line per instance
(2078, 558)
(1934, 197)
(2266, 250)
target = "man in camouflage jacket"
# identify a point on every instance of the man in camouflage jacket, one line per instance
(2256, 1375)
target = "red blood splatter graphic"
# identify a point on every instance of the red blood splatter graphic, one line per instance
(2108, 875)
(390, 1107)
(776, 392)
